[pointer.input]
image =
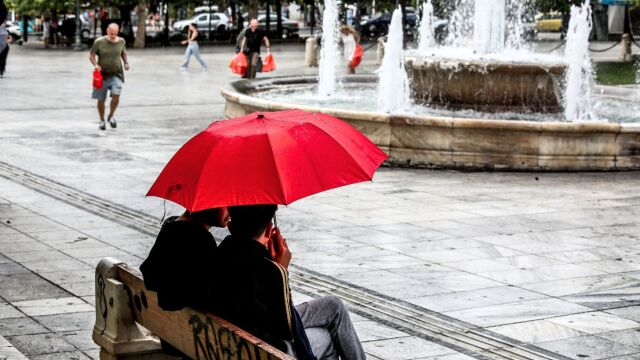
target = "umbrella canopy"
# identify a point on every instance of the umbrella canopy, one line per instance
(266, 158)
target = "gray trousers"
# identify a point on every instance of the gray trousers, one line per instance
(193, 49)
(329, 329)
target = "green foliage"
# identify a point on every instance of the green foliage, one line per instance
(39, 7)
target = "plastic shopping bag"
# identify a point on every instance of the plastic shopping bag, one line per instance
(97, 79)
(357, 56)
(238, 64)
(268, 64)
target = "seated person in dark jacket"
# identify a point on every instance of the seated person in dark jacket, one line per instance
(180, 265)
(254, 293)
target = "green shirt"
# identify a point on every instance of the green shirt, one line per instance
(109, 56)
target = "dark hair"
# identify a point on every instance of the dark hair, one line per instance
(208, 216)
(3, 12)
(250, 220)
(195, 25)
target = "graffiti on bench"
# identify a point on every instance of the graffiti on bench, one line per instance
(214, 342)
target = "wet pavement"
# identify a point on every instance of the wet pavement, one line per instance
(548, 263)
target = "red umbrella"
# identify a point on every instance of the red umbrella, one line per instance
(266, 158)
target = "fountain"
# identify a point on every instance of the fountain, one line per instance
(393, 94)
(477, 102)
(329, 50)
(577, 97)
(426, 35)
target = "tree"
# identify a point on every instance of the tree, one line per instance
(142, 33)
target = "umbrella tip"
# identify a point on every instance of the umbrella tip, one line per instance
(260, 116)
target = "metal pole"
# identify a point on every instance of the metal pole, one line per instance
(78, 44)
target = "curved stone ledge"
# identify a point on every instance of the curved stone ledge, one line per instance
(461, 143)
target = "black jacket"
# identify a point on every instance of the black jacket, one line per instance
(180, 266)
(254, 290)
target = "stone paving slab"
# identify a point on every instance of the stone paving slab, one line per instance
(60, 327)
(562, 244)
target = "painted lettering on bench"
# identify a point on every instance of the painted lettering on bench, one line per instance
(102, 301)
(220, 344)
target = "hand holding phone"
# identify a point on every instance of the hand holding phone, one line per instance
(278, 248)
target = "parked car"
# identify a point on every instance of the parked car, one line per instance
(290, 28)
(378, 25)
(14, 32)
(219, 23)
(86, 31)
(549, 22)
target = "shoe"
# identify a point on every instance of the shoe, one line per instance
(112, 122)
(102, 126)
(183, 68)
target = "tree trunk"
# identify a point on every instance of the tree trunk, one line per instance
(279, 18)
(141, 33)
(125, 25)
(268, 18)
(253, 9)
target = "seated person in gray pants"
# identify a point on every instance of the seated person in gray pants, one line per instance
(253, 292)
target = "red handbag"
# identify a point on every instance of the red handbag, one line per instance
(357, 56)
(269, 64)
(238, 64)
(97, 79)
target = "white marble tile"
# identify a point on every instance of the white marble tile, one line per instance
(612, 266)
(53, 306)
(516, 312)
(629, 312)
(630, 337)
(536, 331)
(546, 273)
(594, 322)
(457, 356)
(404, 348)
(475, 298)
(587, 347)
(607, 299)
(370, 331)
(584, 284)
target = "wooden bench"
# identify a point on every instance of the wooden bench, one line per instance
(129, 323)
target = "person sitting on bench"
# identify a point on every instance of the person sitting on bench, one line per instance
(252, 288)
(179, 265)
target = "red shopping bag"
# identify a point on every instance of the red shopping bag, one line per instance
(269, 64)
(238, 64)
(357, 56)
(97, 79)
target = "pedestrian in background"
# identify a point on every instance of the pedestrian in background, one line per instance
(111, 52)
(4, 38)
(349, 39)
(253, 38)
(192, 48)
(46, 31)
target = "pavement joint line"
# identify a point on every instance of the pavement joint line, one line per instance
(93, 107)
(415, 320)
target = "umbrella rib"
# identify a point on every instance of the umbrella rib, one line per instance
(275, 162)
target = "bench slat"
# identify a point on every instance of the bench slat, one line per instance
(197, 334)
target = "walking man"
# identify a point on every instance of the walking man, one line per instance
(111, 53)
(253, 38)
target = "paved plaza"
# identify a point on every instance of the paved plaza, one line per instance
(442, 264)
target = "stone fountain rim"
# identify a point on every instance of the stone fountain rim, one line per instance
(418, 59)
(240, 91)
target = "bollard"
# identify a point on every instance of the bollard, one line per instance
(625, 49)
(380, 50)
(311, 51)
